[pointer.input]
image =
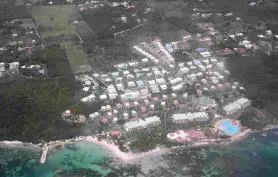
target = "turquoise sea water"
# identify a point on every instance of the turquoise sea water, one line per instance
(256, 156)
(72, 159)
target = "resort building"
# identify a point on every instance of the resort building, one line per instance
(190, 117)
(141, 123)
(236, 106)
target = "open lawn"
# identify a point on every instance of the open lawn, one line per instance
(77, 58)
(54, 21)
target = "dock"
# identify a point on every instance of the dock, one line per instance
(44, 154)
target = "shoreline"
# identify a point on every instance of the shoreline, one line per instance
(124, 156)
(130, 157)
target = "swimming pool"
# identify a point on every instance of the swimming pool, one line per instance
(228, 126)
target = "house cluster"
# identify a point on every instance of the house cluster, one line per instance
(178, 46)
(200, 14)
(139, 92)
(125, 4)
(31, 71)
(156, 52)
(265, 41)
(268, 42)
(87, 5)
(20, 39)
(140, 89)
(7, 69)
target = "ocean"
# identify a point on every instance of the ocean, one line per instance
(72, 159)
(255, 156)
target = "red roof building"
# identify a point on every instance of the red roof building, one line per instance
(143, 109)
(194, 134)
(227, 51)
(103, 120)
(242, 50)
(115, 133)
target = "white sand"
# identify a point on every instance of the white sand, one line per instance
(125, 156)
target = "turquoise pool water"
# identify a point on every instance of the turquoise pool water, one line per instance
(228, 127)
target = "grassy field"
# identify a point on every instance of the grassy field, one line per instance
(54, 21)
(77, 58)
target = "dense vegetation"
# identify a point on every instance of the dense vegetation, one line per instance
(30, 109)
(148, 140)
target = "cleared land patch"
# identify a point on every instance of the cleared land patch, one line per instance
(77, 58)
(50, 24)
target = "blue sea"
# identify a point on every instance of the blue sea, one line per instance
(255, 156)
(73, 159)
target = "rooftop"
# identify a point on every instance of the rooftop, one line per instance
(141, 123)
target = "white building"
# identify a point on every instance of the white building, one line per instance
(130, 95)
(103, 97)
(94, 115)
(175, 81)
(160, 81)
(184, 70)
(161, 48)
(205, 54)
(89, 98)
(145, 60)
(190, 117)
(155, 89)
(247, 44)
(177, 87)
(2, 67)
(140, 124)
(14, 65)
(131, 84)
(152, 83)
(140, 83)
(163, 87)
(236, 106)
(112, 96)
(148, 55)
(120, 87)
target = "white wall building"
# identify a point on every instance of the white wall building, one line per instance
(190, 117)
(140, 124)
(176, 81)
(236, 106)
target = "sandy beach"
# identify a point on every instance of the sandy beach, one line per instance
(128, 157)
(125, 156)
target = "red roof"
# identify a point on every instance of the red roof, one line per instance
(156, 99)
(143, 109)
(115, 133)
(103, 120)
(194, 134)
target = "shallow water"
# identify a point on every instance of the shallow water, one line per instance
(256, 156)
(80, 156)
